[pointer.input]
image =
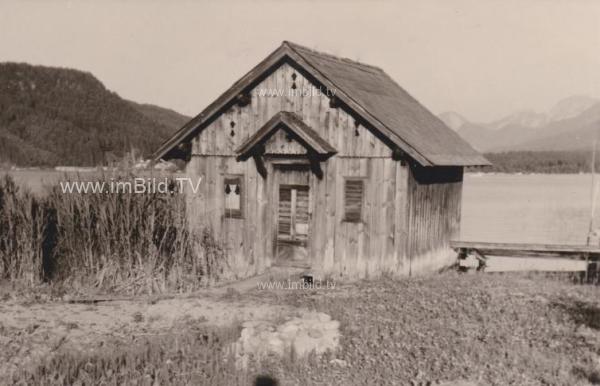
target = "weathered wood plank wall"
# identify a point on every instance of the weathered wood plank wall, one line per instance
(434, 204)
(376, 244)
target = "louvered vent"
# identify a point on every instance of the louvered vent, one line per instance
(353, 198)
(285, 211)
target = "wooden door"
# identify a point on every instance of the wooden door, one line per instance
(293, 218)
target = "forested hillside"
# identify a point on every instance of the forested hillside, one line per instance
(55, 116)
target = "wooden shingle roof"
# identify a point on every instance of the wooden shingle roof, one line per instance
(366, 90)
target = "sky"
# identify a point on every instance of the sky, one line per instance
(481, 58)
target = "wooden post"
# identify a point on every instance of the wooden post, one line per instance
(462, 255)
(586, 256)
(482, 263)
(260, 165)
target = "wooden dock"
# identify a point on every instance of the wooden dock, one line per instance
(481, 251)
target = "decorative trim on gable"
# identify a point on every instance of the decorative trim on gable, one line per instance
(293, 125)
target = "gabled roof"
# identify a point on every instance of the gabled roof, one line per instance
(365, 89)
(293, 124)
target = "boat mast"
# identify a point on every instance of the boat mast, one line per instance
(593, 193)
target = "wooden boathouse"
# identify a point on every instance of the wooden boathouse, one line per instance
(314, 161)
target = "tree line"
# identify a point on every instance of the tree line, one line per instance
(542, 162)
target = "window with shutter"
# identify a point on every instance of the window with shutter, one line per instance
(353, 200)
(233, 190)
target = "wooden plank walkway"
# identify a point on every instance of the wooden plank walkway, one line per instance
(481, 251)
(577, 252)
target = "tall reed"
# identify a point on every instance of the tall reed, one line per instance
(121, 242)
(22, 224)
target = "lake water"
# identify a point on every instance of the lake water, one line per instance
(36, 180)
(532, 208)
(552, 208)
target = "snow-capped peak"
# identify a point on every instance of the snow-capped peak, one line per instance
(571, 107)
(526, 118)
(453, 120)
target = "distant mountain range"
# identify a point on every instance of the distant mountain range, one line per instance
(572, 124)
(54, 116)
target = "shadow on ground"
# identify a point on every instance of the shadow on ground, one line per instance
(265, 380)
(581, 312)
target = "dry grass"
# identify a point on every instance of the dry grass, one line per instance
(189, 358)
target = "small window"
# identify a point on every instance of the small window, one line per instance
(353, 199)
(233, 190)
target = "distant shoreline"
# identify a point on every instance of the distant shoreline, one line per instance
(544, 162)
(509, 162)
(477, 174)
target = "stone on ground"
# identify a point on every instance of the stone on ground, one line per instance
(311, 332)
